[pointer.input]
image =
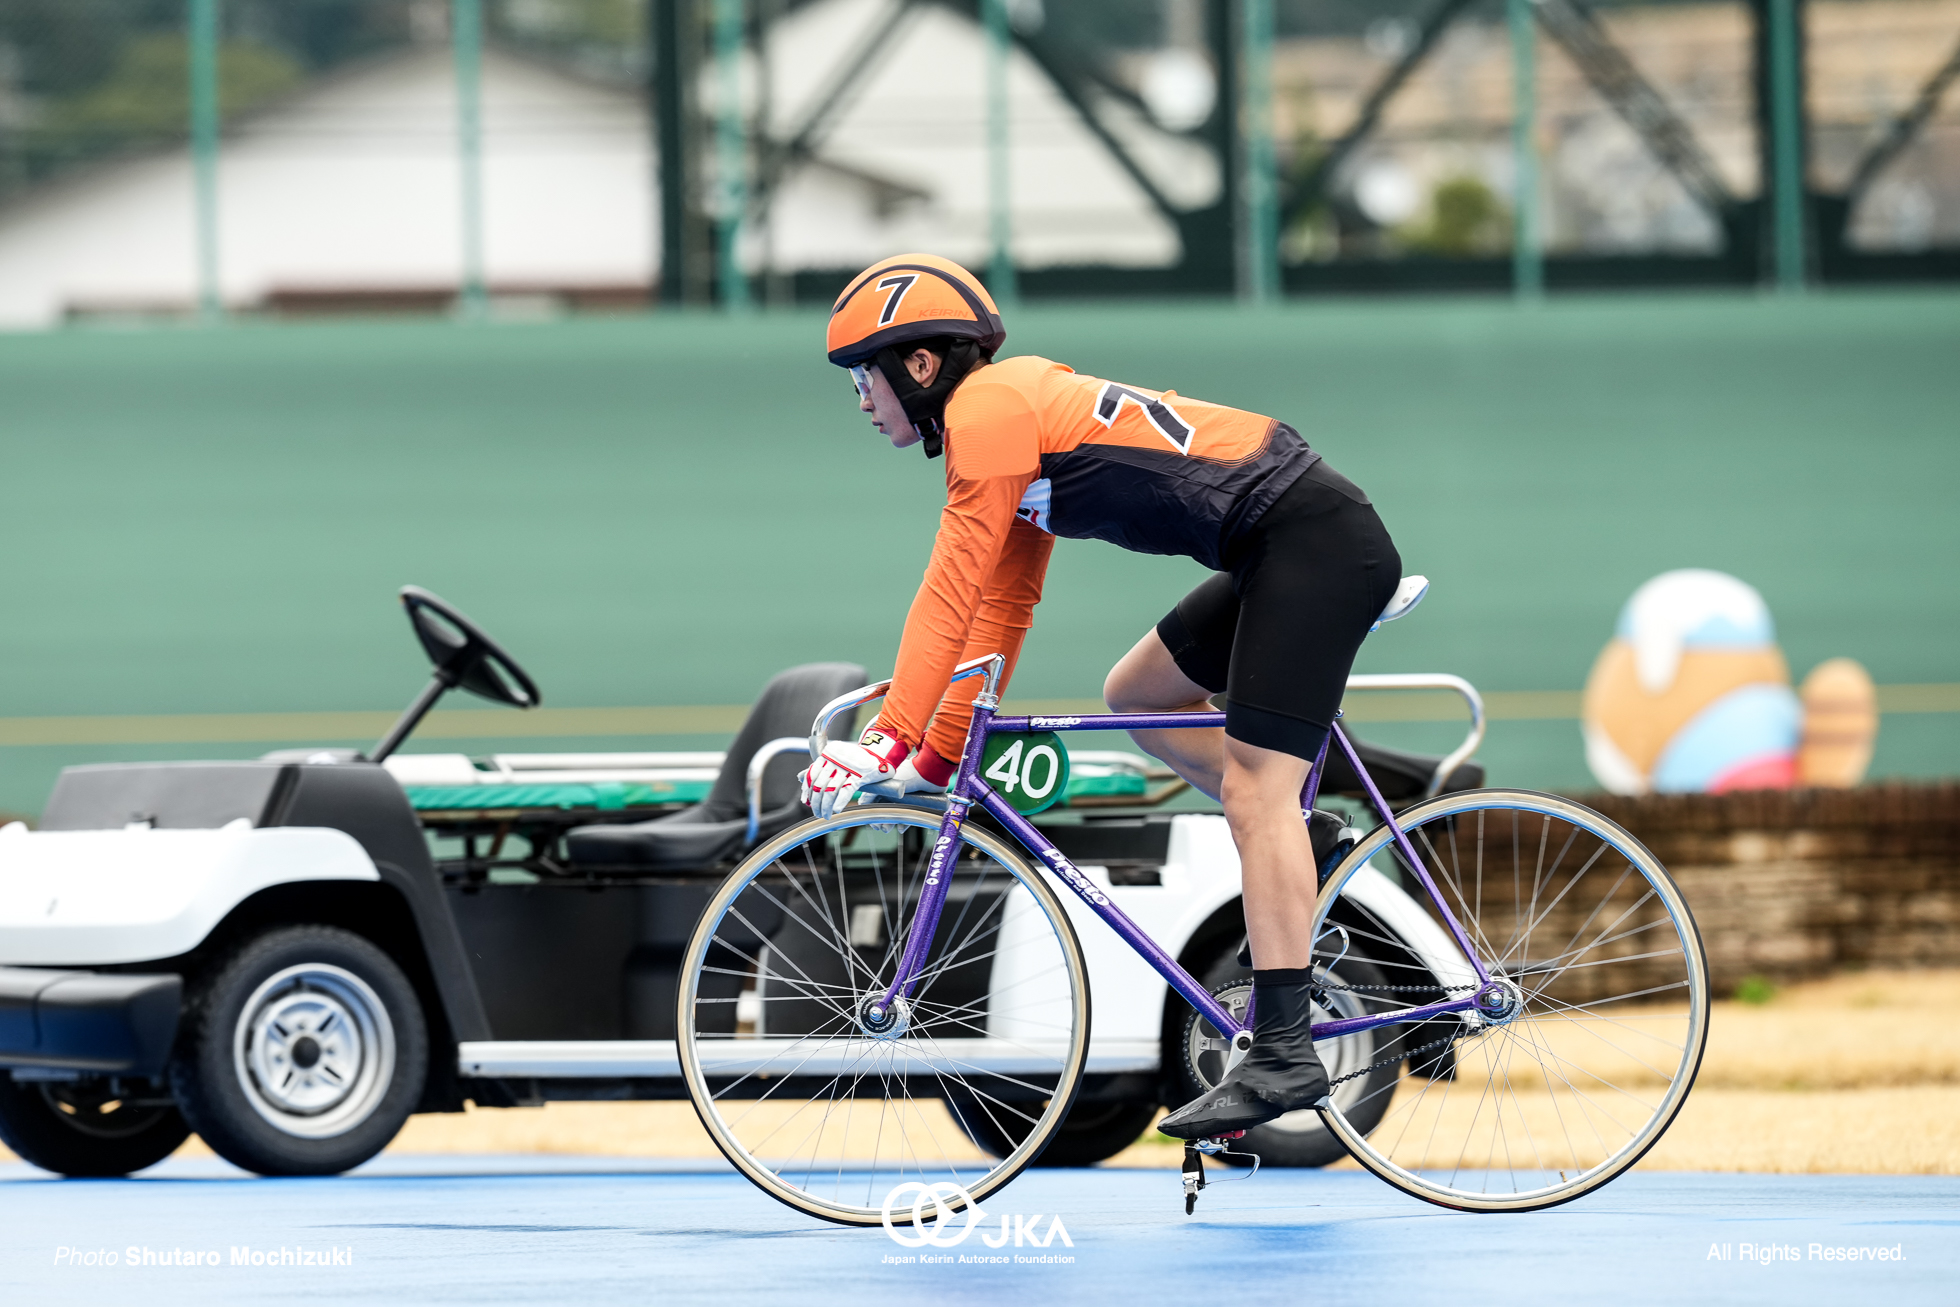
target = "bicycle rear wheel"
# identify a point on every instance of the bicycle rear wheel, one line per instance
(1600, 1030)
(815, 1102)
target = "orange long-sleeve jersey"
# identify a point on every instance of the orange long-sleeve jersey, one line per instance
(1034, 451)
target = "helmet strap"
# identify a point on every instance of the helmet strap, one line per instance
(925, 406)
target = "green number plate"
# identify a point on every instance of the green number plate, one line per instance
(1029, 771)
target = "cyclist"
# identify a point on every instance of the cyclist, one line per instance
(1034, 450)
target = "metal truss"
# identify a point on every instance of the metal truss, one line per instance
(1090, 88)
(1631, 96)
(1312, 188)
(1904, 129)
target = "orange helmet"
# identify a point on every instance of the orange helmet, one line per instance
(911, 297)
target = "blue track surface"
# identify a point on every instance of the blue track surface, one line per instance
(596, 1231)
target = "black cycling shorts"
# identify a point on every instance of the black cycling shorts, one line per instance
(1278, 632)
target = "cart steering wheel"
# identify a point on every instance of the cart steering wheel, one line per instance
(463, 656)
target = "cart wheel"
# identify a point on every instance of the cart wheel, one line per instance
(1584, 1045)
(87, 1127)
(302, 1053)
(1364, 1066)
(1090, 1133)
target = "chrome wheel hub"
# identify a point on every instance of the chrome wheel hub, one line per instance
(315, 1050)
(1500, 1002)
(881, 1020)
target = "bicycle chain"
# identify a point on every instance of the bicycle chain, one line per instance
(1390, 1060)
(1393, 989)
(1405, 1054)
(1397, 989)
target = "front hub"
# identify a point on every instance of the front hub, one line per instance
(879, 1018)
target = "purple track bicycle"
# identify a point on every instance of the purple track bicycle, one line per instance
(897, 995)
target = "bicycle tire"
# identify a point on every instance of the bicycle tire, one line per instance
(1565, 1041)
(1041, 1033)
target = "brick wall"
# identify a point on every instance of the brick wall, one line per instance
(1800, 883)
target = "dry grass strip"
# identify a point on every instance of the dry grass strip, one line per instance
(1859, 1073)
(1913, 1131)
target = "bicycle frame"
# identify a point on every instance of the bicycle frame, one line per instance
(969, 787)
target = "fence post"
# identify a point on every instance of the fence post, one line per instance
(203, 42)
(1786, 127)
(731, 154)
(1259, 276)
(1001, 279)
(466, 39)
(1527, 249)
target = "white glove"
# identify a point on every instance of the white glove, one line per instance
(906, 780)
(833, 779)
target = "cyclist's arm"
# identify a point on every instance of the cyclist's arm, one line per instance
(992, 453)
(973, 533)
(1001, 624)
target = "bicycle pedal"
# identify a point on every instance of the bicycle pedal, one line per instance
(1215, 1144)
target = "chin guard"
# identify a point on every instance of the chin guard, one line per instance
(925, 406)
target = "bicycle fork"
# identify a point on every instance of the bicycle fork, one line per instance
(891, 1007)
(883, 1012)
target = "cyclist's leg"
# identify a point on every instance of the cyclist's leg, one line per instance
(1261, 793)
(1313, 578)
(1260, 787)
(1176, 667)
(1148, 679)
(1309, 586)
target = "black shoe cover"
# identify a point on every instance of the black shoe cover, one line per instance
(1281, 1074)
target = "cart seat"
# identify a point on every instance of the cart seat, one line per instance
(716, 829)
(1402, 777)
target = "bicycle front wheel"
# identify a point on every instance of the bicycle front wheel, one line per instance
(831, 1111)
(1591, 1039)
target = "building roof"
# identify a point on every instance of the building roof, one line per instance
(352, 188)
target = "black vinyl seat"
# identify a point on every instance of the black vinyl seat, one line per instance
(715, 829)
(1401, 776)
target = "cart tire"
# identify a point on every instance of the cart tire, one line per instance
(1299, 1138)
(302, 1053)
(77, 1128)
(1090, 1133)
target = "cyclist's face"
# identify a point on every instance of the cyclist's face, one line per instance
(876, 397)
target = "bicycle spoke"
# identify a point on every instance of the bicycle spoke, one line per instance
(825, 1109)
(1591, 1046)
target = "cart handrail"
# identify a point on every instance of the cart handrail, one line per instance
(757, 765)
(1435, 681)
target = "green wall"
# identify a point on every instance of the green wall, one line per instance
(665, 510)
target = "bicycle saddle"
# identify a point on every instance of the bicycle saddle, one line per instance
(1407, 596)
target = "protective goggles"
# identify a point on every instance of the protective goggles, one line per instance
(861, 378)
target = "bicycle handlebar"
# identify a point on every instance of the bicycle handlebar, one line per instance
(990, 665)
